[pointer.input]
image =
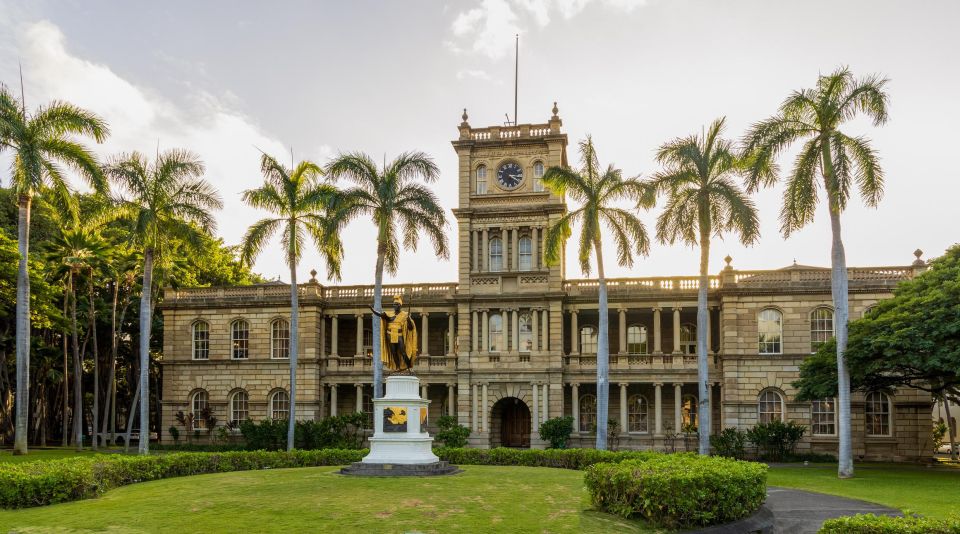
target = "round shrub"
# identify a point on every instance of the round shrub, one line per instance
(679, 490)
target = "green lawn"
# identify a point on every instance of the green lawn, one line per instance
(482, 499)
(930, 491)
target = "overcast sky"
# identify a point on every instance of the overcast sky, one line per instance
(225, 78)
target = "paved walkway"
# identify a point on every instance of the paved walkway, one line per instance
(803, 512)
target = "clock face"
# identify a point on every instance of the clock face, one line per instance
(510, 175)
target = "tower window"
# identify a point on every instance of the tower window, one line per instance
(526, 253)
(482, 180)
(538, 176)
(496, 254)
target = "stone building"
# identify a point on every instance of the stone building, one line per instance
(512, 342)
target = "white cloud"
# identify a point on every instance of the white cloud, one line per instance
(227, 140)
(489, 28)
(475, 74)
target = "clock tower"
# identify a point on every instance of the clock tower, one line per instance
(512, 298)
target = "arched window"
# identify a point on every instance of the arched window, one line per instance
(637, 339)
(538, 176)
(496, 254)
(280, 339)
(201, 340)
(496, 333)
(198, 404)
(821, 327)
(688, 413)
(877, 406)
(526, 254)
(688, 339)
(482, 180)
(823, 417)
(240, 339)
(280, 405)
(526, 332)
(588, 340)
(588, 413)
(239, 407)
(769, 331)
(637, 413)
(770, 406)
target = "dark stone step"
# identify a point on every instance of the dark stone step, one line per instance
(400, 470)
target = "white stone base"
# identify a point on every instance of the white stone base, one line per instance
(413, 446)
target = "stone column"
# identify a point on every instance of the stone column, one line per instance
(677, 408)
(333, 400)
(676, 330)
(359, 397)
(534, 250)
(425, 391)
(323, 336)
(485, 252)
(485, 335)
(515, 255)
(546, 331)
(546, 403)
(515, 331)
(425, 336)
(475, 250)
(623, 330)
(574, 334)
(623, 408)
(575, 401)
(473, 405)
(359, 334)
(333, 335)
(535, 416)
(451, 334)
(657, 409)
(657, 343)
(486, 409)
(451, 406)
(475, 329)
(535, 330)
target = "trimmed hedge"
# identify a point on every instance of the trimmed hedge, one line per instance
(679, 490)
(577, 459)
(70, 479)
(881, 524)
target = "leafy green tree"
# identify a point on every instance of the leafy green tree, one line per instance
(301, 205)
(398, 204)
(41, 143)
(909, 340)
(815, 116)
(703, 200)
(597, 191)
(163, 202)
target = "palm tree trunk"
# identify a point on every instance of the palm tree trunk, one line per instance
(703, 377)
(77, 369)
(96, 362)
(109, 415)
(603, 354)
(146, 320)
(23, 327)
(130, 412)
(951, 428)
(294, 338)
(66, 374)
(839, 288)
(377, 297)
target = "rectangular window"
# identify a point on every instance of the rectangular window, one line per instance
(241, 340)
(823, 417)
(770, 330)
(526, 254)
(538, 177)
(482, 180)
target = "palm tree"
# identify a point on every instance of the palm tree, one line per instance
(597, 191)
(165, 201)
(41, 143)
(397, 203)
(301, 204)
(815, 115)
(702, 200)
(76, 250)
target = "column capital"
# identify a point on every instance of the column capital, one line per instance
(678, 384)
(574, 384)
(658, 384)
(624, 384)
(677, 308)
(657, 308)
(451, 385)
(451, 314)
(621, 309)
(574, 311)
(357, 385)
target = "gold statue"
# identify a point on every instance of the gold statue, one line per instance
(398, 337)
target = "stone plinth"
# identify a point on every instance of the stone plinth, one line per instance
(399, 445)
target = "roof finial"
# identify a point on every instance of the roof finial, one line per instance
(918, 262)
(313, 276)
(555, 109)
(464, 116)
(728, 259)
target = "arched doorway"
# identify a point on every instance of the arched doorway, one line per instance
(511, 422)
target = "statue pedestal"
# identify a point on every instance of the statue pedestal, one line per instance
(399, 445)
